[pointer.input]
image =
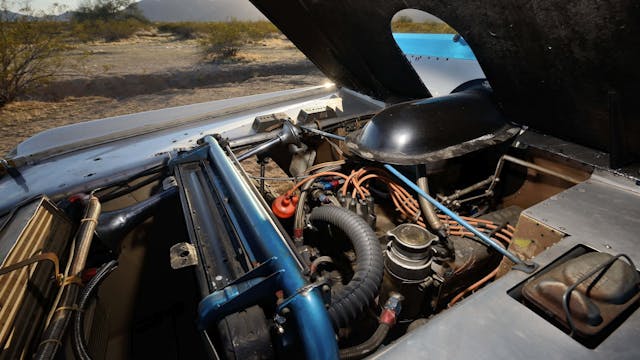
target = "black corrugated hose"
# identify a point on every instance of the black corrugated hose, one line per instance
(79, 345)
(54, 332)
(365, 284)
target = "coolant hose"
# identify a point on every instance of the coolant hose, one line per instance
(366, 348)
(364, 286)
(387, 319)
(79, 345)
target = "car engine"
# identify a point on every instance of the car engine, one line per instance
(392, 219)
(383, 215)
(330, 232)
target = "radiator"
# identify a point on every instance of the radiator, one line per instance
(27, 293)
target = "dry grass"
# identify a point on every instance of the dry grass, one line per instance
(106, 30)
(424, 28)
(168, 73)
(222, 40)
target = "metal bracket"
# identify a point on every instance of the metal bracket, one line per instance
(4, 166)
(182, 255)
(262, 270)
(10, 166)
(528, 267)
(198, 154)
(245, 291)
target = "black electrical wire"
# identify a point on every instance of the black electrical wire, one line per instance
(79, 344)
(127, 188)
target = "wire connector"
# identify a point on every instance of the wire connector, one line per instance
(391, 309)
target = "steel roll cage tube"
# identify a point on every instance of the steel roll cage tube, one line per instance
(306, 306)
(526, 266)
(301, 263)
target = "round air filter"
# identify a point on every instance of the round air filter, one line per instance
(432, 130)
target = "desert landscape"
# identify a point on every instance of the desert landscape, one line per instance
(115, 57)
(148, 71)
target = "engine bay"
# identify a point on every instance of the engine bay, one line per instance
(328, 234)
(378, 216)
(344, 202)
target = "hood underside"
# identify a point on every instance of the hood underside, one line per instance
(566, 68)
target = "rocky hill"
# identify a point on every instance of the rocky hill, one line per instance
(199, 10)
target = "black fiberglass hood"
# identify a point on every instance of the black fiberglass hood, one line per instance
(566, 68)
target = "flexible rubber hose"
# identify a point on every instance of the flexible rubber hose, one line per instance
(365, 284)
(368, 347)
(79, 345)
(56, 328)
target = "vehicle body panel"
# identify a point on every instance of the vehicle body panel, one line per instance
(567, 69)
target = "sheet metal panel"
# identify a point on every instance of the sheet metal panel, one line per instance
(492, 325)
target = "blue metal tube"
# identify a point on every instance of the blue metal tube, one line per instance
(313, 324)
(487, 240)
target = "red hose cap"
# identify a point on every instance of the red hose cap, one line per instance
(284, 206)
(388, 317)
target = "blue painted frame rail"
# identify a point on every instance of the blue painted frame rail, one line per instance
(314, 327)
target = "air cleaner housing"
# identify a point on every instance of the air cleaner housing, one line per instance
(430, 131)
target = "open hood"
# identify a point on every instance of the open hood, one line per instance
(565, 68)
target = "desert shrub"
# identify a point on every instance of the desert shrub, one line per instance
(424, 27)
(404, 19)
(107, 30)
(109, 20)
(184, 30)
(30, 53)
(106, 10)
(222, 40)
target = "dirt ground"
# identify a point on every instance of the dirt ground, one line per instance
(146, 73)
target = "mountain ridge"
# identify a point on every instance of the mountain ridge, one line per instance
(199, 10)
